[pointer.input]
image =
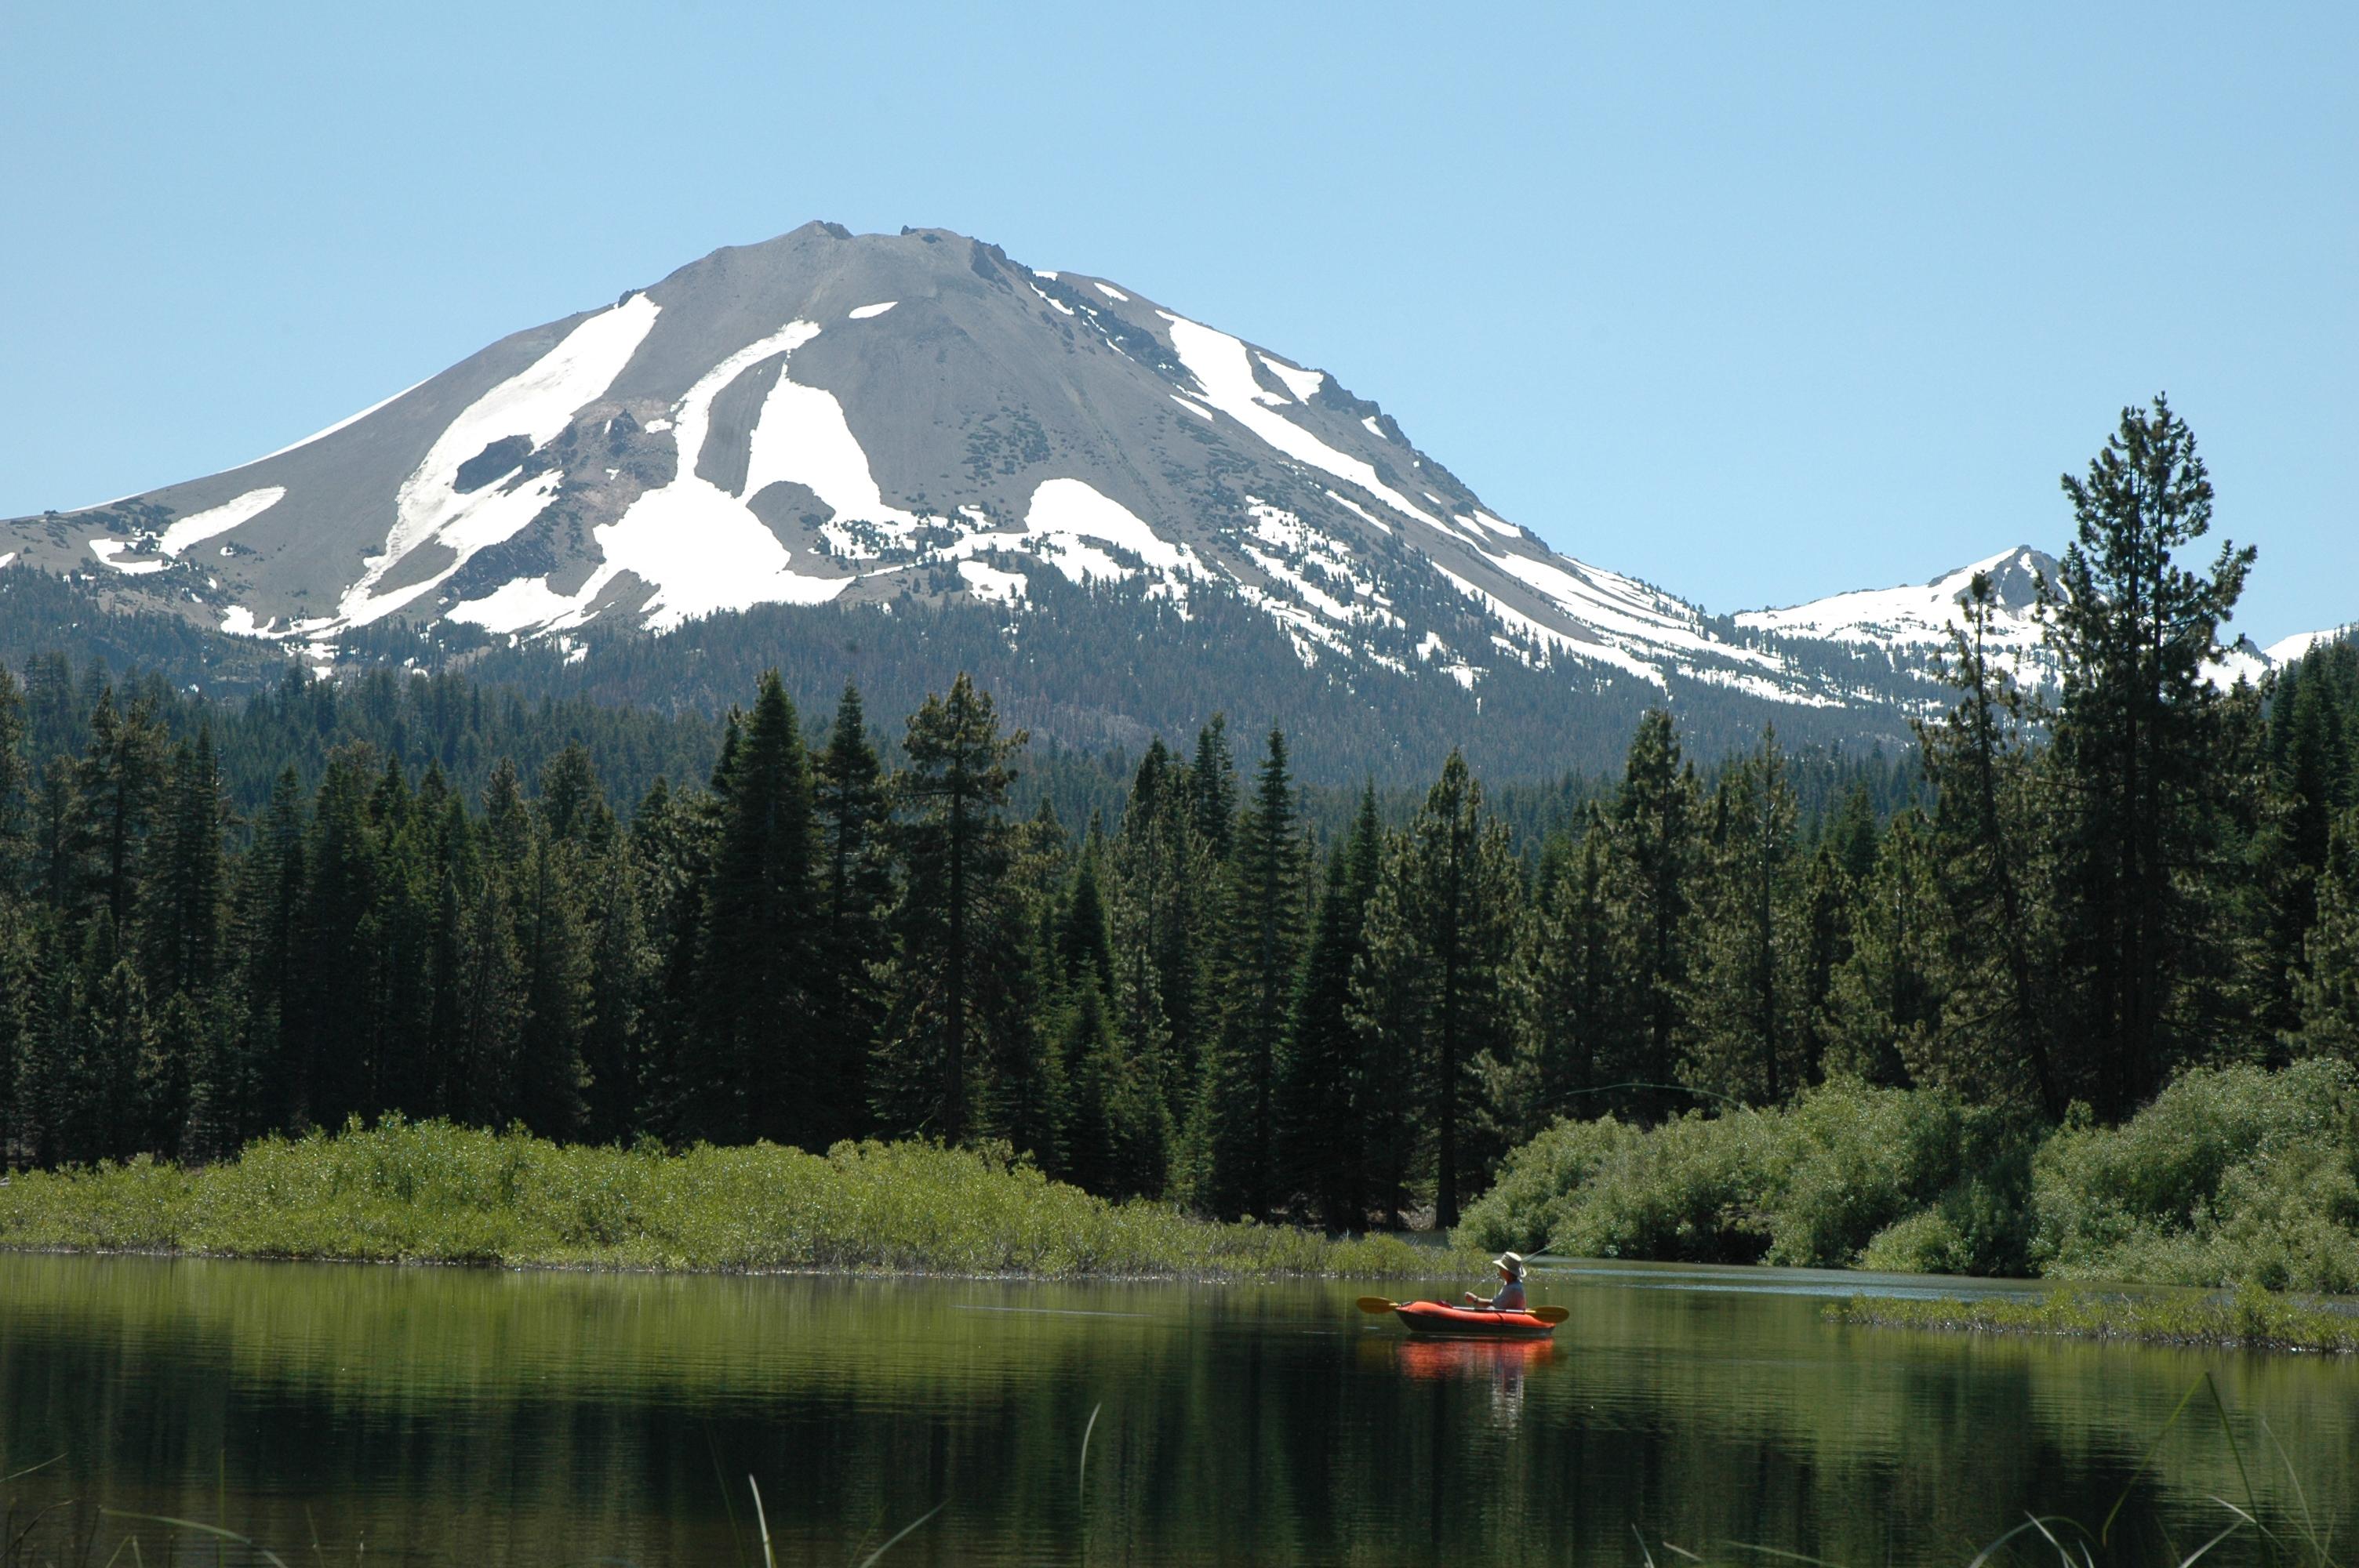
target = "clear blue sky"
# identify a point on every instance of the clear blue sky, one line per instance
(1758, 303)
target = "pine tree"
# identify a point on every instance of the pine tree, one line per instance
(16, 789)
(1212, 786)
(489, 1002)
(755, 1065)
(1390, 1013)
(621, 968)
(1987, 848)
(1743, 1039)
(572, 805)
(1656, 858)
(1470, 902)
(959, 937)
(186, 897)
(553, 958)
(2309, 784)
(849, 784)
(115, 787)
(2137, 745)
(1578, 1016)
(1164, 875)
(257, 1088)
(1322, 1078)
(2328, 986)
(1260, 944)
(331, 1019)
(1885, 1003)
(672, 835)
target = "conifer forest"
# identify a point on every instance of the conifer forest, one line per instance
(1204, 982)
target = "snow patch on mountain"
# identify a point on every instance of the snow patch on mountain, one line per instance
(802, 438)
(537, 405)
(696, 544)
(1066, 514)
(197, 528)
(108, 550)
(1219, 364)
(1303, 384)
(870, 312)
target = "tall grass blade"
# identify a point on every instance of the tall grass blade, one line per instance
(2105, 1530)
(213, 1530)
(2189, 1560)
(869, 1560)
(30, 1468)
(769, 1558)
(31, 1525)
(2300, 1497)
(1645, 1555)
(728, 1496)
(2252, 1503)
(1675, 1546)
(1082, 1487)
(1773, 1551)
(2041, 1527)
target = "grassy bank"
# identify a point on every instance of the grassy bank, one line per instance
(433, 1192)
(2252, 1320)
(2231, 1176)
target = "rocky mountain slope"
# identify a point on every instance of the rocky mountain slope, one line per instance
(914, 424)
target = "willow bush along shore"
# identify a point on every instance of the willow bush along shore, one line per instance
(1198, 994)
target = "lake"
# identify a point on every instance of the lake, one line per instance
(474, 1416)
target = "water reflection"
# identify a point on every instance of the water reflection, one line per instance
(1501, 1364)
(475, 1416)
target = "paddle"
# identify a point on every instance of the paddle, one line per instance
(1546, 1314)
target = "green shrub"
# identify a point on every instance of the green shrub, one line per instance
(431, 1191)
(1814, 1185)
(2231, 1175)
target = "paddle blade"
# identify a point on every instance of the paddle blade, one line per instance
(1374, 1304)
(1551, 1314)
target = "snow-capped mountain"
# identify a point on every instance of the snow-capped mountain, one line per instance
(830, 418)
(1923, 620)
(879, 423)
(1922, 617)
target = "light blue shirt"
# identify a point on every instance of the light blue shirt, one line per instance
(1510, 1297)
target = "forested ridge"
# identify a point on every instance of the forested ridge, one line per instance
(222, 920)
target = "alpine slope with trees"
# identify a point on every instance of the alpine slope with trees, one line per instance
(1206, 989)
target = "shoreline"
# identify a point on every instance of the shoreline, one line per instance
(439, 1193)
(2251, 1320)
(785, 1271)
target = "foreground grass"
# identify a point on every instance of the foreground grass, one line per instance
(2252, 1320)
(434, 1193)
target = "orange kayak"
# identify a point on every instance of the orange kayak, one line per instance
(1437, 1318)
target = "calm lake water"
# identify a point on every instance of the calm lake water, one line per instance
(467, 1416)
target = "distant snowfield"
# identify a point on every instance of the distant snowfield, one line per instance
(869, 312)
(1913, 616)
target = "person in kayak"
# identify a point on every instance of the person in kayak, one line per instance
(1510, 1296)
